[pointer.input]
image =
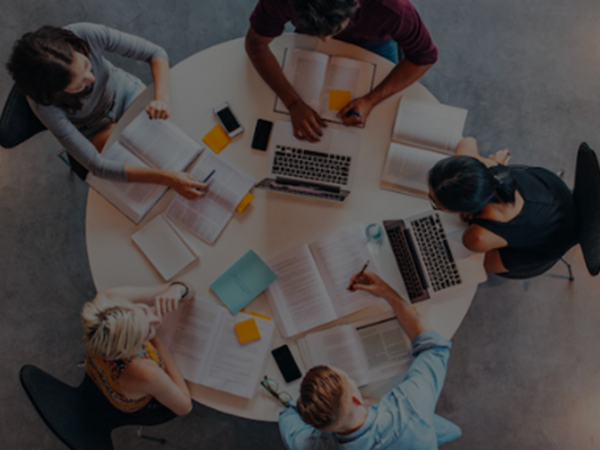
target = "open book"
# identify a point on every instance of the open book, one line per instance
(158, 144)
(207, 216)
(313, 75)
(310, 289)
(205, 347)
(371, 350)
(424, 133)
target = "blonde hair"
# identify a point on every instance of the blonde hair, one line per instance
(320, 398)
(111, 329)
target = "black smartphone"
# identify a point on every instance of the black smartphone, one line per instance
(262, 132)
(285, 362)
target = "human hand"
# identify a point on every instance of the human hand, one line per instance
(169, 300)
(187, 186)
(465, 217)
(158, 109)
(361, 106)
(370, 282)
(501, 156)
(306, 122)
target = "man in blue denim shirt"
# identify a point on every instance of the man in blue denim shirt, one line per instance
(330, 413)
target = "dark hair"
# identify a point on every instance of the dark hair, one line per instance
(322, 17)
(320, 397)
(465, 184)
(40, 64)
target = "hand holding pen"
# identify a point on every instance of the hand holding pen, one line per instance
(355, 277)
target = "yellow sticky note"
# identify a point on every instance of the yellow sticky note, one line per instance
(260, 316)
(216, 139)
(338, 99)
(247, 331)
(245, 202)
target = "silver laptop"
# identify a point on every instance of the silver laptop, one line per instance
(431, 256)
(322, 169)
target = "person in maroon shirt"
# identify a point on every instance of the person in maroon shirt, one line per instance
(377, 25)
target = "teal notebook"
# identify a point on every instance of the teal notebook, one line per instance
(242, 282)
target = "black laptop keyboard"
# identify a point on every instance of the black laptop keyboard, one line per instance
(311, 165)
(408, 263)
(435, 252)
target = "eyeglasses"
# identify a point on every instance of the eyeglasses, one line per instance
(271, 386)
(433, 203)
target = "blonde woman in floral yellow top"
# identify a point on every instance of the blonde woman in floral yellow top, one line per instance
(129, 362)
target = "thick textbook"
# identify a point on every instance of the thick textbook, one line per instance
(424, 133)
(205, 346)
(370, 350)
(325, 83)
(158, 144)
(310, 289)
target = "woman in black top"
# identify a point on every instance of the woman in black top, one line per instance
(521, 218)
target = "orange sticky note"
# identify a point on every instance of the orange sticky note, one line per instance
(261, 316)
(338, 99)
(245, 202)
(247, 331)
(216, 139)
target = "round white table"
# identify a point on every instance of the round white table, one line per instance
(273, 222)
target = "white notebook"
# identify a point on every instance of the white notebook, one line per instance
(165, 247)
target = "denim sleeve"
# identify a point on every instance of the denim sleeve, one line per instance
(115, 41)
(76, 144)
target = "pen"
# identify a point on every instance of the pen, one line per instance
(208, 176)
(354, 113)
(360, 274)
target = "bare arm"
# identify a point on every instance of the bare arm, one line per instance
(306, 122)
(410, 320)
(164, 297)
(183, 183)
(468, 147)
(143, 377)
(403, 75)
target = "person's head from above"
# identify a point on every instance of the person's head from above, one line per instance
(323, 18)
(115, 328)
(330, 401)
(51, 66)
(465, 185)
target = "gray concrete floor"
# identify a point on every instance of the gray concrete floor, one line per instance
(523, 368)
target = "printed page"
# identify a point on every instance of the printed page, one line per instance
(133, 199)
(385, 346)
(189, 331)
(207, 216)
(305, 70)
(160, 143)
(429, 125)
(408, 166)
(298, 298)
(163, 246)
(337, 347)
(347, 75)
(338, 256)
(233, 367)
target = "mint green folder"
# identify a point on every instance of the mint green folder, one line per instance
(242, 282)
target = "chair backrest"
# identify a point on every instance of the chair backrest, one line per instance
(81, 416)
(587, 202)
(18, 122)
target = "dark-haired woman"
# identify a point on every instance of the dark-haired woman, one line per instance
(79, 96)
(521, 218)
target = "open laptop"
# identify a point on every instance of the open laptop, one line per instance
(431, 256)
(322, 169)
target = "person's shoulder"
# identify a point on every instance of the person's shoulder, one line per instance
(397, 7)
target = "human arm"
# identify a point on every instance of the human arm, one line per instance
(468, 147)
(160, 107)
(410, 320)
(306, 122)
(164, 297)
(183, 183)
(403, 75)
(293, 430)
(144, 377)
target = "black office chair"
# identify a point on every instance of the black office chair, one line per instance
(81, 416)
(18, 122)
(587, 202)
